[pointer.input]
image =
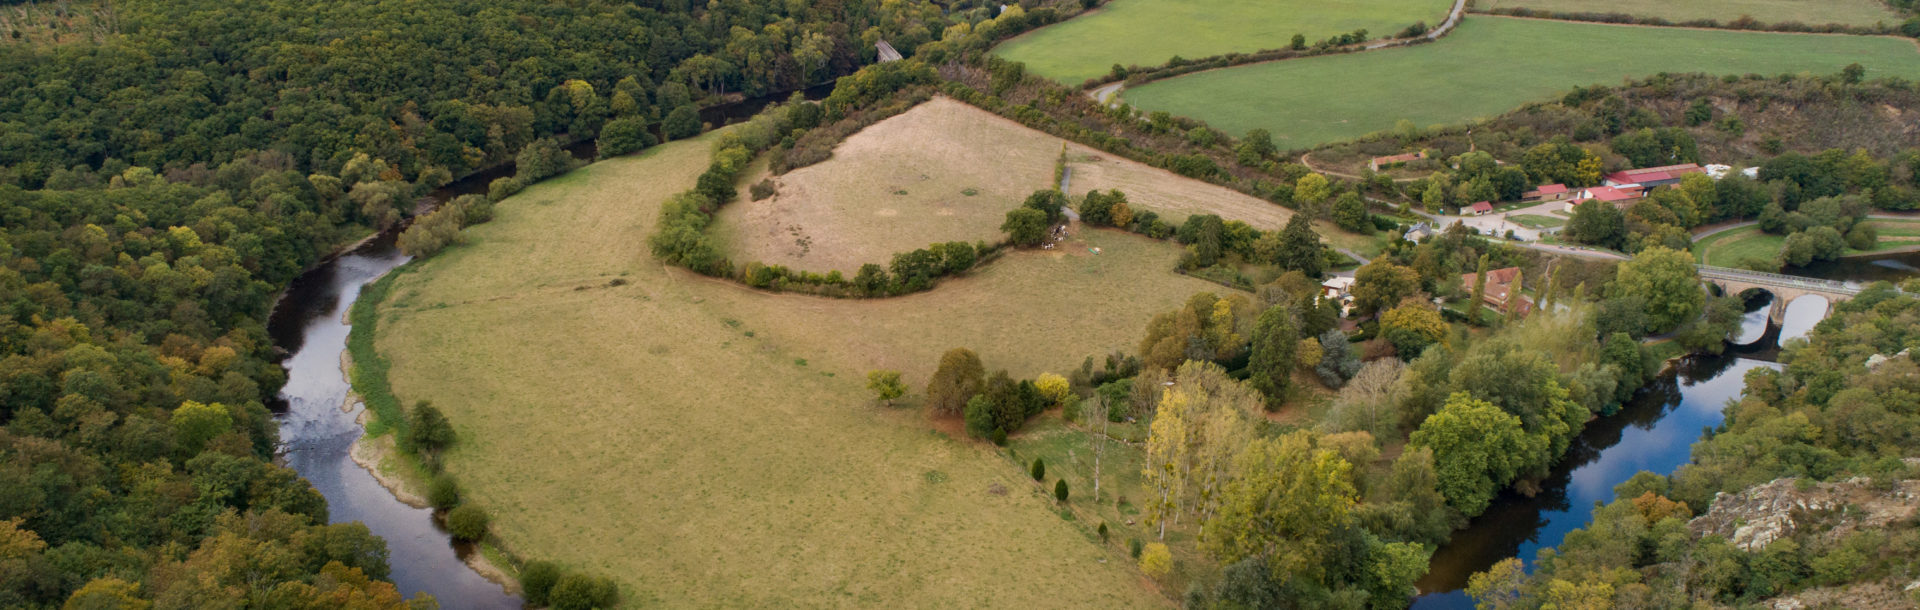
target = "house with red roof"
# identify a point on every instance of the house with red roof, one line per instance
(1547, 192)
(1620, 196)
(1480, 208)
(1652, 176)
(1395, 160)
(1500, 288)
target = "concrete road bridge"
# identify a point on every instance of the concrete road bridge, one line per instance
(1784, 288)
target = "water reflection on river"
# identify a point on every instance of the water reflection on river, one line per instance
(316, 435)
(1653, 432)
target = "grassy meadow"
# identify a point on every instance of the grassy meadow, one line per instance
(1811, 12)
(1489, 65)
(710, 445)
(947, 171)
(1150, 32)
(1729, 248)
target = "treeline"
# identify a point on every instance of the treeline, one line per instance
(681, 238)
(1839, 413)
(1909, 28)
(447, 86)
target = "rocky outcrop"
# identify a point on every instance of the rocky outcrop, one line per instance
(1753, 518)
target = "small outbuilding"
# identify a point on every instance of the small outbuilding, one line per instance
(1547, 192)
(1480, 208)
(1395, 160)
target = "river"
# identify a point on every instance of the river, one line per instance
(317, 435)
(1653, 432)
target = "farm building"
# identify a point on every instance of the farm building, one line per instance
(1418, 232)
(1395, 160)
(1499, 288)
(1480, 208)
(1547, 192)
(1620, 197)
(1652, 176)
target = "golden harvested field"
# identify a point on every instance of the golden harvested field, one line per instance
(903, 183)
(714, 446)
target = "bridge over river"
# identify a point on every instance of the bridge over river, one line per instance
(1785, 288)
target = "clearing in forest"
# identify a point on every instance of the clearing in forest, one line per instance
(1150, 32)
(1810, 12)
(947, 171)
(1487, 66)
(711, 445)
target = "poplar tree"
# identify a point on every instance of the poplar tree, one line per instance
(1479, 291)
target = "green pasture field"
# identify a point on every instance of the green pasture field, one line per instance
(1150, 32)
(714, 446)
(1811, 12)
(1490, 65)
(1536, 221)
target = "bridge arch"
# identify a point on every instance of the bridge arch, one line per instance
(1785, 289)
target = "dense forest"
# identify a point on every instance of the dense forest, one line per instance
(431, 87)
(160, 184)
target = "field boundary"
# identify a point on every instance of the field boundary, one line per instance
(1102, 90)
(1701, 28)
(1617, 18)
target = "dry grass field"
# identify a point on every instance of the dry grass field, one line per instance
(714, 446)
(947, 171)
(943, 171)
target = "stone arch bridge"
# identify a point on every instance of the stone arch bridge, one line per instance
(1784, 288)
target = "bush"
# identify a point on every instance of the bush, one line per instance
(443, 493)
(1133, 547)
(1060, 490)
(761, 190)
(583, 592)
(1104, 534)
(536, 581)
(624, 135)
(502, 188)
(467, 523)
(1156, 561)
(682, 122)
(1039, 470)
(428, 430)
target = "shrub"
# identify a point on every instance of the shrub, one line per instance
(761, 190)
(582, 592)
(537, 580)
(443, 493)
(429, 430)
(1039, 470)
(1060, 490)
(1104, 534)
(468, 523)
(1156, 561)
(502, 188)
(1133, 547)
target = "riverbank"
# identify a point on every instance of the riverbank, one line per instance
(382, 420)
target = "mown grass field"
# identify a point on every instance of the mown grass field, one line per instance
(1488, 66)
(947, 171)
(712, 446)
(1729, 248)
(1811, 12)
(1150, 32)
